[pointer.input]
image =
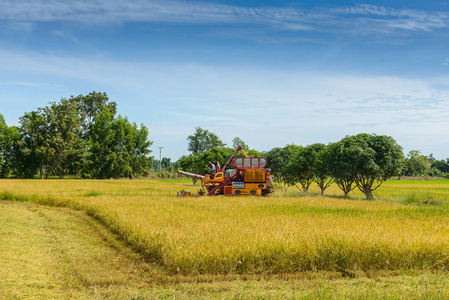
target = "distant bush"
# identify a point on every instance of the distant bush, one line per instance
(421, 199)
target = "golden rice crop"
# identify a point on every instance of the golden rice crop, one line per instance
(247, 235)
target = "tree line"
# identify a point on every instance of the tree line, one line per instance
(362, 161)
(81, 136)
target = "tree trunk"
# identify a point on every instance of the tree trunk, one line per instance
(369, 194)
(47, 172)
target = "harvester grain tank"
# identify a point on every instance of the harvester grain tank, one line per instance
(245, 176)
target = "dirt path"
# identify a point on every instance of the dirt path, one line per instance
(60, 253)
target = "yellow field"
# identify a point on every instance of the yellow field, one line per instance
(287, 233)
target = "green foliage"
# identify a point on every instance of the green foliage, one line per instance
(64, 125)
(321, 171)
(36, 135)
(278, 159)
(165, 164)
(303, 165)
(421, 199)
(365, 159)
(117, 147)
(416, 164)
(441, 165)
(199, 164)
(80, 136)
(300, 167)
(203, 140)
(50, 135)
(9, 136)
(340, 165)
(355, 161)
(90, 106)
(239, 142)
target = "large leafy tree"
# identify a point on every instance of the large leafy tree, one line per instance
(117, 148)
(36, 142)
(203, 140)
(302, 167)
(341, 165)
(321, 168)
(61, 138)
(239, 142)
(441, 165)
(9, 136)
(64, 125)
(101, 149)
(50, 135)
(139, 149)
(376, 158)
(278, 159)
(366, 160)
(89, 107)
(416, 164)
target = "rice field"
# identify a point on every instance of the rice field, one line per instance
(406, 228)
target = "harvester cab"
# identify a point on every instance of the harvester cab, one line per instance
(246, 176)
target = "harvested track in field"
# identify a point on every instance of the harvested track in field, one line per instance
(59, 253)
(52, 248)
(50, 252)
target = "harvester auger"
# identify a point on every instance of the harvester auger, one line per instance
(246, 176)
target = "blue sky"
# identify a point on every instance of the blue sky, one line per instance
(270, 72)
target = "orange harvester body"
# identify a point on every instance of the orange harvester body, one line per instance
(246, 176)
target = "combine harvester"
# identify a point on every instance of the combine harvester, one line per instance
(246, 176)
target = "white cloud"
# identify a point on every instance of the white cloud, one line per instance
(19, 83)
(266, 108)
(360, 19)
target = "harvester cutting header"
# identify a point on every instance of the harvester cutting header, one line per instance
(246, 176)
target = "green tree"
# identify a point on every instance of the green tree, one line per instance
(101, 157)
(375, 158)
(64, 124)
(89, 107)
(117, 148)
(341, 165)
(442, 165)
(9, 136)
(323, 177)
(301, 167)
(140, 150)
(275, 161)
(50, 135)
(37, 140)
(416, 164)
(203, 140)
(278, 159)
(239, 142)
(191, 164)
(165, 164)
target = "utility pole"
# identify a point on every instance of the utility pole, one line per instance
(160, 158)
